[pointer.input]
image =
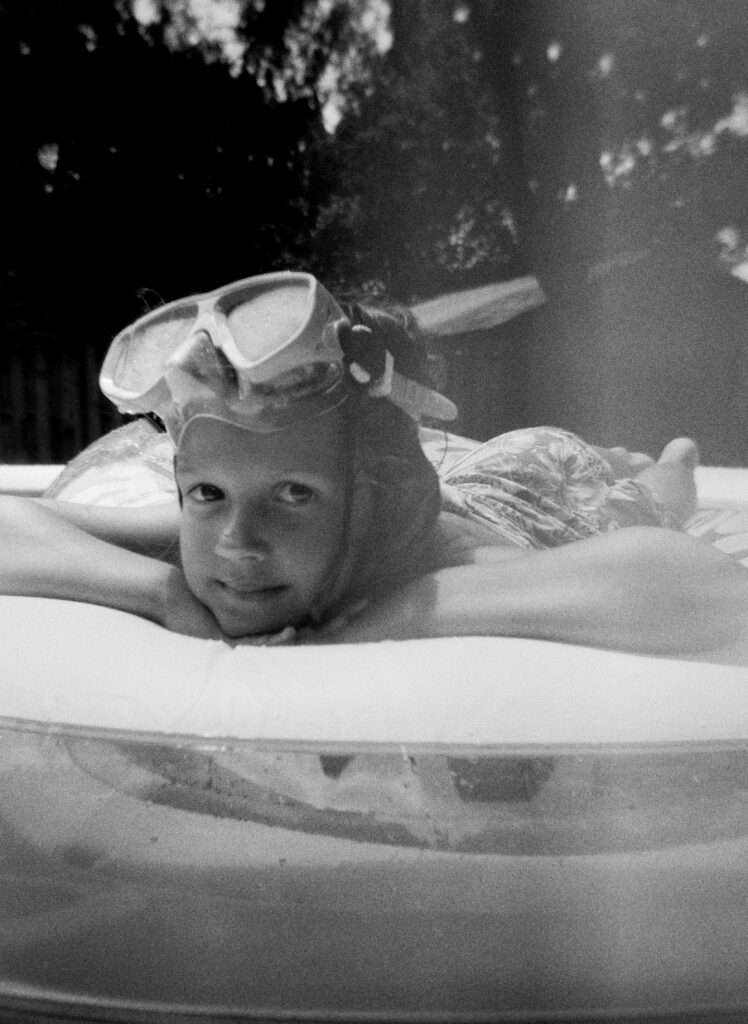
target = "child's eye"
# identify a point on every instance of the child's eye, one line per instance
(293, 493)
(203, 493)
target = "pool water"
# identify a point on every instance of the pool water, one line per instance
(249, 879)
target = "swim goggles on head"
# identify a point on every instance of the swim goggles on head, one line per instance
(264, 353)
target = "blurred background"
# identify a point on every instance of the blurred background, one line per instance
(559, 189)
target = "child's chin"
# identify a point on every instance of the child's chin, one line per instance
(244, 616)
(237, 630)
(237, 627)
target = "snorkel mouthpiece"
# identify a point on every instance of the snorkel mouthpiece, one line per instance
(264, 353)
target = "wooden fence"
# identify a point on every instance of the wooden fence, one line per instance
(50, 403)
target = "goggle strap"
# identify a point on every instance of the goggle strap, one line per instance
(382, 386)
(417, 400)
(413, 398)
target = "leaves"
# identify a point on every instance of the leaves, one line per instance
(414, 146)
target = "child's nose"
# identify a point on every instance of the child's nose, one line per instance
(242, 540)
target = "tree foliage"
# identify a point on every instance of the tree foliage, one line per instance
(140, 161)
(547, 136)
(634, 123)
(427, 156)
(153, 148)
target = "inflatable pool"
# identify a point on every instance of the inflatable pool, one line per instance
(448, 830)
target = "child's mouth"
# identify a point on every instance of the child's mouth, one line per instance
(251, 594)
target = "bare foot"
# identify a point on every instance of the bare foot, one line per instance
(671, 478)
(683, 450)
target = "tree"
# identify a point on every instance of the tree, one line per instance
(139, 159)
(634, 118)
(549, 136)
(425, 166)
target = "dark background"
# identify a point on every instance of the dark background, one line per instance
(597, 145)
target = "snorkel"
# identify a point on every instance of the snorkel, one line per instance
(261, 353)
(274, 351)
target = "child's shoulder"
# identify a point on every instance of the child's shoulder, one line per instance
(462, 541)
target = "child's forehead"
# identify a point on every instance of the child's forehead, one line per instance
(317, 446)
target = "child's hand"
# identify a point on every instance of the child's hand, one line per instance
(329, 632)
(283, 637)
(183, 613)
(332, 631)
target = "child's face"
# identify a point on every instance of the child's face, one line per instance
(262, 519)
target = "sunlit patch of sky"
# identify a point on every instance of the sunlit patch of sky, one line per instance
(89, 35)
(569, 195)
(375, 21)
(605, 64)
(470, 243)
(619, 162)
(508, 221)
(733, 251)
(493, 141)
(703, 142)
(216, 22)
(736, 122)
(200, 21)
(464, 247)
(48, 156)
(371, 19)
(145, 11)
(674, 118)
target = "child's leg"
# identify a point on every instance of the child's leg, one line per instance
(671, 478)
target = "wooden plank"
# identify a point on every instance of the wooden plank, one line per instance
(18, 408)
(71, 412)
(94, 428)
(41, 408)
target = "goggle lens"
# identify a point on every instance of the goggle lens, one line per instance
(148, 346)
(252, 351)
(261, 323)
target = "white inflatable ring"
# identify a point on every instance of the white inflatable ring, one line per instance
(91, 667)
(190, 828)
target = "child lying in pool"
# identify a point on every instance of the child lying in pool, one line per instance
(308, 509)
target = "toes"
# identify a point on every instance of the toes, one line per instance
(640, 461)
(681, 449)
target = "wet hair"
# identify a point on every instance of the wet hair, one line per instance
(393, 501)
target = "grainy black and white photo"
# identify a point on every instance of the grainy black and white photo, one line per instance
(374, 511)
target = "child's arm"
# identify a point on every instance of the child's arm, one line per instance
(151, 530)
(639, 589)
(42, 554)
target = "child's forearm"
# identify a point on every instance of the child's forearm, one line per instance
(151, 530)
(44, 555)
(644, 590)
